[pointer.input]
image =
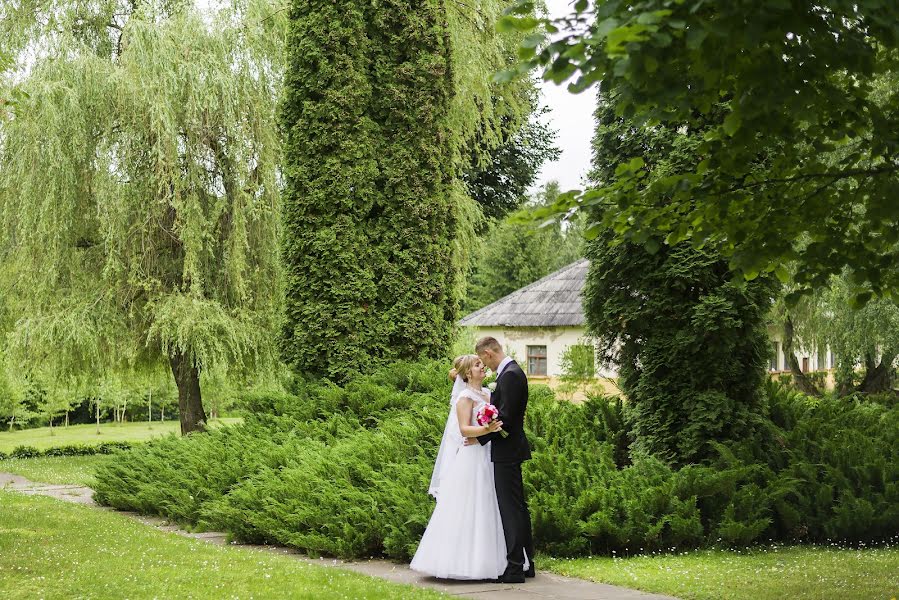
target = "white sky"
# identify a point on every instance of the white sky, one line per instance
(571, 115)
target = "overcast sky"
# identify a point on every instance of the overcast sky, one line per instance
(572, 116)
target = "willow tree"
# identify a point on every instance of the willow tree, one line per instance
(138, 190)
(383, 102)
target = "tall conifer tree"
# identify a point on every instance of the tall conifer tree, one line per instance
(381, 100)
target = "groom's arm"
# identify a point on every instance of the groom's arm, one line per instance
(510, 405)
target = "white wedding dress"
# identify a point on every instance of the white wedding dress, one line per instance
(464, 538)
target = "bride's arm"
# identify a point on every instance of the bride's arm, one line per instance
(463, 413)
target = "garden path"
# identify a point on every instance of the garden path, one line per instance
(545, 585)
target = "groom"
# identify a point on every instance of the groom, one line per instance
(511, 399)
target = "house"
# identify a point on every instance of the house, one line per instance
(539, 322)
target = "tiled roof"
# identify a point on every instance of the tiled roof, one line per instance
(554, 301)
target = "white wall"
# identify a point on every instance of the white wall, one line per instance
(515, 341)
(826, 356)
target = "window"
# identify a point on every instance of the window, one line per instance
(833, 361)
(536, 360)
(805, 364)
(822, 356)
(773, 363)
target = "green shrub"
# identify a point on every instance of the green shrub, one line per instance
(67, 450)
(344, 471)
(25, 452)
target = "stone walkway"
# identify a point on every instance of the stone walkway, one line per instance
(545, 585)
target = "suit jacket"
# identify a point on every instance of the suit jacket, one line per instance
(511, 399)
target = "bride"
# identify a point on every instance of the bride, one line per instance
(464, 538)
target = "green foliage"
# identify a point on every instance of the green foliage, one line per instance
(690, 345)
(500, 186)
(344, 471)
(139, 188)
(863, 339)
(371, 203)
(689, 342)
(67, 450)
(578, 367)
(800, 100)
(515, 252)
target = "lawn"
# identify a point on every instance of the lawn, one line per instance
(72, 470)
(772, 573)
(51, 549)
(87, 434)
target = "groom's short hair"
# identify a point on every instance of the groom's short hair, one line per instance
(487, 343)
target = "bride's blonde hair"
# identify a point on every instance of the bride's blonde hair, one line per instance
(463, 365)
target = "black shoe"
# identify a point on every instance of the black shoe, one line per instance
(511, 579)
(530, 572)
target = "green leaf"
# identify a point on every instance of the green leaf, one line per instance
(533, 40)
(505, 76)
(860, 299)
(695, 36)
(605, 26)
(652, 245)
(592, 231)
(782, 274)
(510, 23)
(732, 124)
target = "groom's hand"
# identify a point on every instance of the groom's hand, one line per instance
(470, 442)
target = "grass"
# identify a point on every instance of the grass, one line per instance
(51, 549)
(772, 573)
(87, 434)
(71, 470)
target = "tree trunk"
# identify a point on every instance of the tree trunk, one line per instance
(190, 404)
(150, 407)
(98, 416)
(800, 380)
(878, 377)
(67, 418)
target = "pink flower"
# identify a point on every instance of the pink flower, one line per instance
(487, 414)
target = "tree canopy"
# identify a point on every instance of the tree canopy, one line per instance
(689, 344)
(515, 252)
(500, 186)
(138, 189)
(800, 107)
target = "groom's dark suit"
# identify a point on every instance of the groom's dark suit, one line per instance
(511, 399)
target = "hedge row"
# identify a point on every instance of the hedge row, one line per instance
(344, 471)
(67, 450)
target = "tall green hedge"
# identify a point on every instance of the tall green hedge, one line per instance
(369, 166)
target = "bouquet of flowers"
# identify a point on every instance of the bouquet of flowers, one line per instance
(487, 414)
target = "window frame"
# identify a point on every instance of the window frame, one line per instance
(537, 358)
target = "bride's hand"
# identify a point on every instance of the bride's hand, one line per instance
(494, 426)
